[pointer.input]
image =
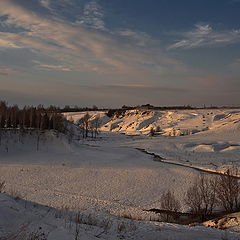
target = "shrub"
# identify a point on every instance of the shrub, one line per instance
(170, 203)
(201, 196)
(228, 190)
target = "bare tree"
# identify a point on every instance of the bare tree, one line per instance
(84, 124)
(228, 190)
(169, 202)
(208, 187)
(38, 139)
(201, 196)
(70, 133)
(11, 117)
(96, 124)
(0, 136)
(152, 132)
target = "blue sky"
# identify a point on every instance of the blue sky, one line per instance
(114, 52)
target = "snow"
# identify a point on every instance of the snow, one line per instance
(110, 177)
(25, 218)
(51, 175)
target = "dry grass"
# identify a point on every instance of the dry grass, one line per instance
(130, 216)
(2, 186)
(126, 227)
(16, 194)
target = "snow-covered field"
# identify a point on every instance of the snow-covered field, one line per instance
(99, 174)
(110, 177)
(208, 139)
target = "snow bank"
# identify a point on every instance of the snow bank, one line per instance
(25, 219)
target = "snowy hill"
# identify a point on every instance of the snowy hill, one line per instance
(203, 138)
(169, 123)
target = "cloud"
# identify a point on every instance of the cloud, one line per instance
(93, 16)
(205, 35)
(52, 67)
(80, 48)
(5, 71)
(56, 38)
(6, 42)
(45, 3)
(139, 38)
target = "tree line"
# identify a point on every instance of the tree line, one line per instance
(29, 117)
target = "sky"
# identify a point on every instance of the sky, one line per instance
(111, 53)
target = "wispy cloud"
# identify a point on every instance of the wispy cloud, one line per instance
(45, 3)
(79, 48)
(7, 43)
(52, 67)
(205, 35)
(55, 37)
(139, 38)
(8, 71)
(93, 16)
